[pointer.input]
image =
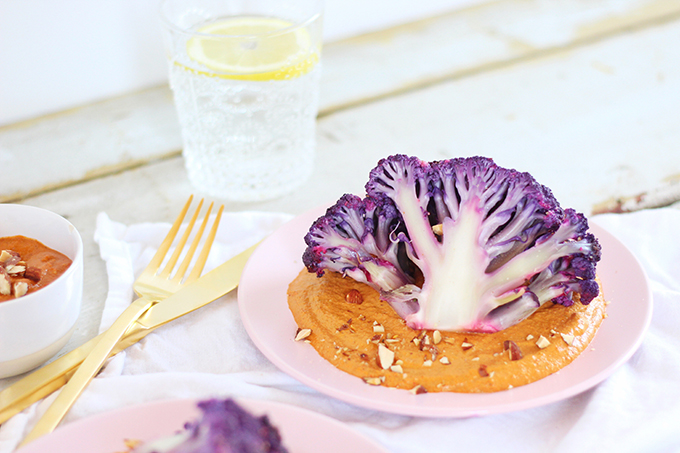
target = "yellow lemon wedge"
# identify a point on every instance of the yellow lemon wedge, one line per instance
(253, 48)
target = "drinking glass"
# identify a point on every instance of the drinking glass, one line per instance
(245, 80)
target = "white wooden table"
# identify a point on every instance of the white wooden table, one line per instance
(583, 95)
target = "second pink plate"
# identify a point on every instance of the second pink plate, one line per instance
(302, 431)
(264, 309)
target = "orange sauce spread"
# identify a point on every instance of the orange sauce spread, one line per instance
(350, 336)
(27, 265)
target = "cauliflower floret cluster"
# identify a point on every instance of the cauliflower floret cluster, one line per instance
(459, 244)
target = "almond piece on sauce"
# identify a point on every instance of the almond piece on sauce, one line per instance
(20, 289)
(436, 337)
(5, 287)
(397, 369)
(33, 273)
(568, 338)
(374, 380)
(385, 356)
(9, 257)
(354, 297)
(542, 342)
(302, 334)
(5, 256)
(16, 269)
(514, 350)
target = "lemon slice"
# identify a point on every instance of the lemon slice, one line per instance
(253, 48)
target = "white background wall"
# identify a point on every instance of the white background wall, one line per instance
(56, 55)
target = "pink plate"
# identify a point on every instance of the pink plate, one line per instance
(302, 430)
(264, 309)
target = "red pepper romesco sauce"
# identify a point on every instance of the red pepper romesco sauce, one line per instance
(348, 325)
(26, 260)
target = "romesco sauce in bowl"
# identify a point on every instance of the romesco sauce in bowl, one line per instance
(26, 265)
(41, 285)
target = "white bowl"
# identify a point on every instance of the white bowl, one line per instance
(33, 328)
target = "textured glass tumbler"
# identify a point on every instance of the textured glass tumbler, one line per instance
(245, 80)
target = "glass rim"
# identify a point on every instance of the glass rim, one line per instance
(172, 26)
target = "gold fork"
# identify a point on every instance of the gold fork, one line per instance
(153, 285)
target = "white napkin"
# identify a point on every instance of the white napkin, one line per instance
(208, 353)
(128, 250)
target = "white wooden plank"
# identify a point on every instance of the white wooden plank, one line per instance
(598, 121)
(477, 40)
(81, 143)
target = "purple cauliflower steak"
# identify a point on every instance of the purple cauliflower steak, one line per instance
(459, 244)
(224, 427)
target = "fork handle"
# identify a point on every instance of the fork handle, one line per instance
(87, 370)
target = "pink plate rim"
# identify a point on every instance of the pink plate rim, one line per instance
(301, 430)
(264, 310)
